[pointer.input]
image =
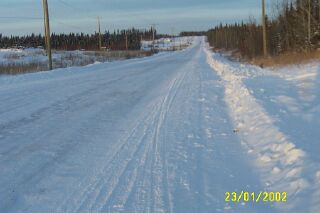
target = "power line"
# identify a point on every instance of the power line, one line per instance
(69, 5)
(74, 8)
(80, 10)
(65, 3)
(20, 17)
(138, 17)
(65, 24)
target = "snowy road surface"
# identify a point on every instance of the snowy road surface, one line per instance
(169, 133)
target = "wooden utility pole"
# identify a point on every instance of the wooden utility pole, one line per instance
(173, 39)
(264, 30)
(45, 30)
(303, 17)
(99, 31)
(47, 33)
(309, 21)
(153, 35)
(126, 40)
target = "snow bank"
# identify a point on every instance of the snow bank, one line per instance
(280, 162)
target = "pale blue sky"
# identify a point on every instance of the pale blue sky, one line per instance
(25, 16)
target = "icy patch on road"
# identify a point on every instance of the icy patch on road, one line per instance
(271, 149)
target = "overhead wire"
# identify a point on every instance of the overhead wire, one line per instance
(77, 9)
(138, 17)
(73, 7)
(57, 20)
(68, 25)
(20, 17)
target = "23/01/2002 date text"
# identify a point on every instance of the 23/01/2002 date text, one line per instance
(256, 197)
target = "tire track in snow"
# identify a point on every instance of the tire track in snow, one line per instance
(120, 194)
(116, 201)
(281, 164)
(160, 161)
(158, 196)
(154, 180)
(152, 192)
(100, 187)
(107, 193)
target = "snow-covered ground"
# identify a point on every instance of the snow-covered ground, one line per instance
(169, 133)
(37, 56)
(29, 55)
(12, 55)
(167, 44)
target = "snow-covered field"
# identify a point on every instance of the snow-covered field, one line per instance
(167, 44)
(169, 133)
(14, 61)
(29, 55)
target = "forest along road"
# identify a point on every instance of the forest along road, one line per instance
(144, 135)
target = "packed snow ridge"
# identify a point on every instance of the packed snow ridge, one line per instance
(168, 133)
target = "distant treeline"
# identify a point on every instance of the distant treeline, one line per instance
(295, 28)
(76, 41)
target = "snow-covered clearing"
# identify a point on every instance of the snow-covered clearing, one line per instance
(169, 133)
(15, 61)
(167, 44)
(31, 55)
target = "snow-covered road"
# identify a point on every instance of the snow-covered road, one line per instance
(170, 133)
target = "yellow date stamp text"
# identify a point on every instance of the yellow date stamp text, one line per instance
(268, 197)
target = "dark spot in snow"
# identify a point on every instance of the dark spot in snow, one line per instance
(236, 131)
